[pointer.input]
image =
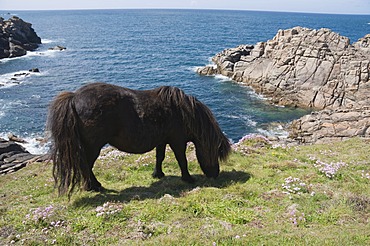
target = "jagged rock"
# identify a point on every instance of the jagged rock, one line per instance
(34, 70)
(301, 67)
(9, 146)
(208, 70)
(14, 157)
(58, 47)
(16, 50)
(14, 138)
(332, 124)
(17, 37)
(307, 68)
(17, 158)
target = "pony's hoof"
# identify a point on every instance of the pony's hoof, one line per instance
(99, 189)
(95, 188)
(158, 175)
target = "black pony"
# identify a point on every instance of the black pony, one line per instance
(134, 121)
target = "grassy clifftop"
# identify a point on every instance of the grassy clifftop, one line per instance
(306, 195)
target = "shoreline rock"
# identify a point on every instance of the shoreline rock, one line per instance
(17, 78)
(14, 157)
(331, 125)
(58, 48)
(17, 37)
(307, 68)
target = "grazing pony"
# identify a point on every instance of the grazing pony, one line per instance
(134, 121)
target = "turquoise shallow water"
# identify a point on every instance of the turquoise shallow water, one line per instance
(143, 49)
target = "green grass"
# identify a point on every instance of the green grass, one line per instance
(246, 205)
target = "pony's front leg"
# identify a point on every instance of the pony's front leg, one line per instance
(160, 154)
(179, 150)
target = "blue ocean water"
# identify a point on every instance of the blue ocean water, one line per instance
(143, 49)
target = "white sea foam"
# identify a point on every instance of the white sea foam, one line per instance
(16, 78)
(47, 53)
(31, 54)
(194, 69)
(274, 130)
(245, 118)
(2, 109)
(252, 93)
(35, 146)
(210, 61)
(47, 41)
(33, 143)
(222, 78)
(36, 96)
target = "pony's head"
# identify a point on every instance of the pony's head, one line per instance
(202, 129)
(209, 156)
(211, 144)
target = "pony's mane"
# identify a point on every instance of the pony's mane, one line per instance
(176, 97)
(198, 118)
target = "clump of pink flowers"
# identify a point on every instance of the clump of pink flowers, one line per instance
(44, 216)
(108, 208)
(329, 169)
(293, 185)
(296, 217)
(41, 214)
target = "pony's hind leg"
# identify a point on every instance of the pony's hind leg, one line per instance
(160, 154)
(91, 183)
(179, 150)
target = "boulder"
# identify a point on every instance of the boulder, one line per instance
(34, 70)
(17, 37)
(331, 124)
(309, 68)
(15, 138)
(208, 70)
(58, 48)
(10, 146)
(14, 157)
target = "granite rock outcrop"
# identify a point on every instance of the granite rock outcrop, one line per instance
(17, 37)
(14, 157)
(331, 125)
(303, 67)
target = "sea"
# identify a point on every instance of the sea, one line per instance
(144, 49)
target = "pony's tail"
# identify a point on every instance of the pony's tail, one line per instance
(67, 152)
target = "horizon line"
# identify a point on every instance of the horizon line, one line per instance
(170, 8)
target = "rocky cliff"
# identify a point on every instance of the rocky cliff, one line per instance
(303, 67)
(17, 37)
